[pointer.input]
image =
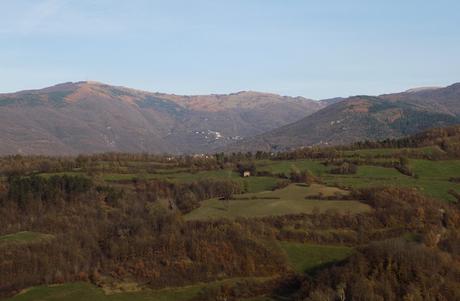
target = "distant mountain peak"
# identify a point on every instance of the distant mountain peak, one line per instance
(422, 89)
(93, 82)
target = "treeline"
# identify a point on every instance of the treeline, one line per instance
(24, 190)
(28, 191)
(447, 139)
(186, 196)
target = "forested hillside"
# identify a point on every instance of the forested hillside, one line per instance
(91, 117)
(360, 118)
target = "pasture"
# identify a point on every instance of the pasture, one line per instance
(306, 258)
(289, 200)
(432, 178)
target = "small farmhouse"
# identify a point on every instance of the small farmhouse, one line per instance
(246, 174)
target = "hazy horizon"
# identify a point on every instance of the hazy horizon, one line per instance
(312, 49)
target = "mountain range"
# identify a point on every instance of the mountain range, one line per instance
(360, 118)
(91, 117)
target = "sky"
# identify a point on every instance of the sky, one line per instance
(316, 49)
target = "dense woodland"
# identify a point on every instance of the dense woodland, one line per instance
(406, 248)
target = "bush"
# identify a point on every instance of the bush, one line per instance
(280, 184)
(345, 169)
(302, 177)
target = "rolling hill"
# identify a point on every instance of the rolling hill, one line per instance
(364, 118)
(90, 117)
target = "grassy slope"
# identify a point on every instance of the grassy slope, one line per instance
(288, 200)
(24, 237)
(432, 178)
(81, 291)
(308, 257)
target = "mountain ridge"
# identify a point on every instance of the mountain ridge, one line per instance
(88, 117)
(363, 118)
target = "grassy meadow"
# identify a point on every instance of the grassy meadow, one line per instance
(306, 258)
(431, 177)
(289, 200)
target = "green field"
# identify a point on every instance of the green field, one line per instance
(82, 291)
(308, 257)
(289, 200)
(432, 178)
(24, 237)
(286, 167)
(439, 170)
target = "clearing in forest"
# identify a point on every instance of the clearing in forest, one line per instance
(24, 237)
(289, 200)
(306, 258)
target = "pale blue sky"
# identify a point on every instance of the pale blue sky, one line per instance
(315, 49)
